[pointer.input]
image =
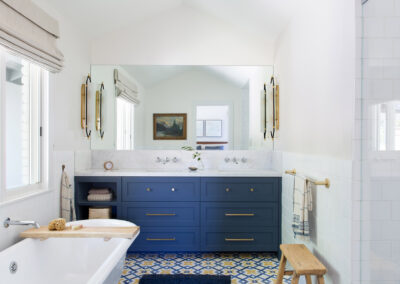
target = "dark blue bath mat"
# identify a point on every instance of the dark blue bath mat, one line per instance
(184, 279)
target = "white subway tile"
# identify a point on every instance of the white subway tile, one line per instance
(392, 27)
(375, 210)
(396, 210)
(378, 48)
(374, 27)
(380, 8)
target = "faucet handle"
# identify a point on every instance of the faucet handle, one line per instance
(235, 160)
(158, 160)
(175, 159)
(244, 160)
(227, 160)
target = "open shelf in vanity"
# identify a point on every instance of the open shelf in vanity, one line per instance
(193, 213)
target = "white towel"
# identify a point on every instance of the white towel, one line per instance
(67, 206)
(302, 204)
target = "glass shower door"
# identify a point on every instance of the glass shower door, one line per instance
(379, 144)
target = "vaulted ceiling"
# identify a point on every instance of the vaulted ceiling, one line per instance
(96, 17)
(149, 76)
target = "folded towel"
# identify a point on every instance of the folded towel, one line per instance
(99, 191)
(302, 204)
(99, 197)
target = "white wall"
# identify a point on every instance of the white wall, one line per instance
(181, 94)
(314, 62)
(65, 130)
(183, 36)
(105, 74)
(315, 67)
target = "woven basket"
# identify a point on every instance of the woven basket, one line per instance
(99, 197)
(100, 213)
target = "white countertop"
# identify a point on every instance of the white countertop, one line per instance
(180, 173)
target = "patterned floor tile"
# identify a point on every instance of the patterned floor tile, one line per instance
(244, 268)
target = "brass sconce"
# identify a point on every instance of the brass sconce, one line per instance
(84, 106)
(99, 118)
(275, 107)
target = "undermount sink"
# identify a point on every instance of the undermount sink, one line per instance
(237, 170)
(163, 170)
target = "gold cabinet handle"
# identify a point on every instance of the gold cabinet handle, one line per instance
(160, 214)
(154, 240)
(237, 215)
(173, 189)
(148, 189)
(252, 189)
(239, 240)
(227, 189)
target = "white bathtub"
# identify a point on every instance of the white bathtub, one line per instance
(66, 261)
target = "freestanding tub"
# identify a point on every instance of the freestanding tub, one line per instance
(66, 261)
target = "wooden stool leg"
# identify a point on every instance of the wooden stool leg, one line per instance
(308, 279)
(295, 279)
(281, 271)
(321, 279)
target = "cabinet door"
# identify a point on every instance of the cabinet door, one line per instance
(163, 214)
(167, 239)
(240, 189)
(239, 239)
(215, 214)
(160, 189)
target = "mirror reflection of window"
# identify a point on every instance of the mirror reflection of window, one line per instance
(212, 127)
(387, 126)
(125, 124)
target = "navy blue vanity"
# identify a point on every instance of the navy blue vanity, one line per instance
(192, 213)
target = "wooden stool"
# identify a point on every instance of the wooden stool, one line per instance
(303, 263)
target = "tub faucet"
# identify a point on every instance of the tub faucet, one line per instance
(7, 222)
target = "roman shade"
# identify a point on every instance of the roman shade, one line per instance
(28, 31)
(125, 88)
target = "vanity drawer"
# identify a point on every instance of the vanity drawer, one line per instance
(215, 214)
(160, 189)
(240, 189)
(167, 239)
(240, 239)
(162, 213)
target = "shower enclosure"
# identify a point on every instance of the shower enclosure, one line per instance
(377, 142)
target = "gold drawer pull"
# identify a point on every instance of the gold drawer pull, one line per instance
(237, 215)
(252, 189)
(239, 240)
(156, 214)
(148, 189)
(153, 240)
(227, 189)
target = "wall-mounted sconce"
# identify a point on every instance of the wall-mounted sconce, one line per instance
(84, 106)
(275, 107)
(99, 117)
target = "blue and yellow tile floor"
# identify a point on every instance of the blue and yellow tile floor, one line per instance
(244, 268)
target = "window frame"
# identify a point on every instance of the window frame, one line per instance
(7, 195)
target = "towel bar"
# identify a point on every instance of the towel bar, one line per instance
(325, 182)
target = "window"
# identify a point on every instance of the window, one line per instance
(125, 123)
(24, 92)
(387, 126)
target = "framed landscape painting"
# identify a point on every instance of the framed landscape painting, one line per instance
(169, 126)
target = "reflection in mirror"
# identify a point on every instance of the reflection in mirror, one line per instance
(222, 106)
(386, 126)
